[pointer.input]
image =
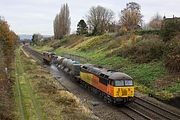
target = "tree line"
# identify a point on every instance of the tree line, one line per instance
(8, 42)
(100, 20)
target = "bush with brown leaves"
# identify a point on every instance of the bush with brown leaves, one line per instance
(144, 51)
(172, 58)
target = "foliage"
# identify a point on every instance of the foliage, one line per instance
(163, 95)
(8, 42)
(131, 18)
(151, 32)
(82, 28)
(170, 28)
(172, 63)
(99, 19)
(174, 88)
(7, 38)
(143, 51)
(172, 56)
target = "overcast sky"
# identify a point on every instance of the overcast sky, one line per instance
(36, 16)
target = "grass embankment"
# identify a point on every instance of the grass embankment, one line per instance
(143, 74)
(142, 57)
(40, 96)
(43, 48)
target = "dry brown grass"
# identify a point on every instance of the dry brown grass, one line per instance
(56, 102)
(172, 63)
(166, 81)
(77, 41)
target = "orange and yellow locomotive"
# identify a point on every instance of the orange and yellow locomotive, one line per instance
(113, 86)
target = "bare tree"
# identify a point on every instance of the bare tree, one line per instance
(156, 22)
(62, 22)
(99, 19)
(130, 17)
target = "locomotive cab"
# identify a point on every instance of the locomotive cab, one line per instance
(123, 86)
(116, 87)
(47, 57)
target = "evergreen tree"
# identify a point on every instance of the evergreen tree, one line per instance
(82, 28)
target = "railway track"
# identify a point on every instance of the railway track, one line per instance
(134, 114)
(157, 110)
(160, 111)
(34, 53)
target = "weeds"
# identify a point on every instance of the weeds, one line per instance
(146, 58)
(56, 102)
(94, 42)
(143, 51)
(172, 57)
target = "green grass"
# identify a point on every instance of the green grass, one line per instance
(174, 88)
(93, 42)
(24, 94)
(146, 73)
(101, 50)
(43, 48)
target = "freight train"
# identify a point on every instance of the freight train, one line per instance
(112, 86)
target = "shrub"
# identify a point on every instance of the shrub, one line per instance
(143, 51)
(170, 28)
(55, 45)
(172, 63)
(151, 32)
(172, 56)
